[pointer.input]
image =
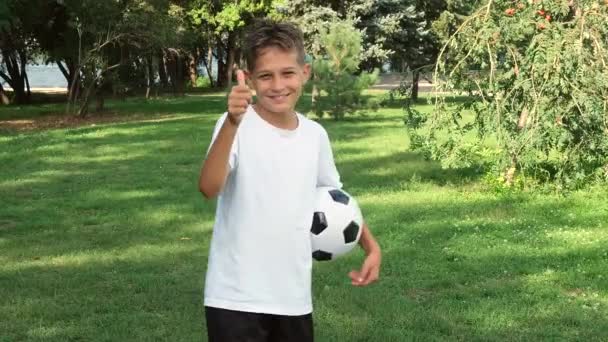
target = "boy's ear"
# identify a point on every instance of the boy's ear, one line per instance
(306, 70)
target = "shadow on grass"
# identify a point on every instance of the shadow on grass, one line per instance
(399, 171)
(146, 293)
(449, 277)
(83, 190)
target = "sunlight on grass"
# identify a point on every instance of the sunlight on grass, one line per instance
(580, 236)
(104, 237)
(48, 332)
(138, 253)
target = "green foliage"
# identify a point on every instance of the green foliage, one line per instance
(539, 73)
(228, 16)
(456, 11)
(311, 20)
(5, 14)
(313, 16)
(341, 90)
(409, 36)
(202, 82)
(220, 25)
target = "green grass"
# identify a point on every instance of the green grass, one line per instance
(104, 237)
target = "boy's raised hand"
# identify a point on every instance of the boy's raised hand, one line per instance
(238, 99)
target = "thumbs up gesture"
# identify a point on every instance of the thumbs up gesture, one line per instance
(238, 99)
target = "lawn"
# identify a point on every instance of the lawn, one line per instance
(104, 237)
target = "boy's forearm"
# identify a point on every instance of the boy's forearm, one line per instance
(215, 168)
(367, 241)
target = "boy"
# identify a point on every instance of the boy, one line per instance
(265, 162)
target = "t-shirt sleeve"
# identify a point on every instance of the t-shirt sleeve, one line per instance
(328, 173)
(232, 160)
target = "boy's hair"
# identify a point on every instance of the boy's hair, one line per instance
(266, 33)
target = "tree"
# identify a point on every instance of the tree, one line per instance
(340, 89)
(314, 17)
(539, 75)
(108, 35)
(408, 34)
(4, 22)
(17, 44)
(222, 21)
(399, 32)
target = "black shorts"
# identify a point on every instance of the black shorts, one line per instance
(236, 326)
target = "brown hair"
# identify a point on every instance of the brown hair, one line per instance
(266, 33)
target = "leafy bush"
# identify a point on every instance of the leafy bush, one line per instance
(538, 72)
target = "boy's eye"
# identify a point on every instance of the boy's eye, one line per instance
(264, 76)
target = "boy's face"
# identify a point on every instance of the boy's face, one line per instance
(278, 79)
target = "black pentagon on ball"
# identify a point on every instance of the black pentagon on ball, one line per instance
(319, 223)
(350, 232)
(339, 196)
(320, 255)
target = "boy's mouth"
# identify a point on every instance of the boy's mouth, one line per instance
(281, 97)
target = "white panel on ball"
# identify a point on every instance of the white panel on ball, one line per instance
(337, 224)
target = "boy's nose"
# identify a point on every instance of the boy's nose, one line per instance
(277, 84)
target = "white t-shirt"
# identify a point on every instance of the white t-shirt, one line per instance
(260, 256)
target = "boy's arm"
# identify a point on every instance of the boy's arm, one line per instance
(216, 166)
(370, 271)
(329, 176)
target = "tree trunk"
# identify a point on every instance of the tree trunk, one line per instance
(193, 60)
(162, 71)
(16, 74)
(220, 65)
(230, 58)
(170, 62)
(72, 93)
(67, 73)
(209, 65)
(100, 100)
(415, 84)
(208, 68)
(149, 75)
(176, 67)
(25, 82)
(238, 57)
(84, 107)
(3, 98)
(27, 87)
(180, 68)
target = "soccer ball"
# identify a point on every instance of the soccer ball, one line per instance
(336, 224)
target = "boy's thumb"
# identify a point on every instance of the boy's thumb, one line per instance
(240, 77)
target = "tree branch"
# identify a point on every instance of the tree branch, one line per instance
(6, 77)
(63, 70)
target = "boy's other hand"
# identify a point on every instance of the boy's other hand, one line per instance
(238, 99)
(369, 272)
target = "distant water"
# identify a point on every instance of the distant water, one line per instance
(49, 76)
(44, 76)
